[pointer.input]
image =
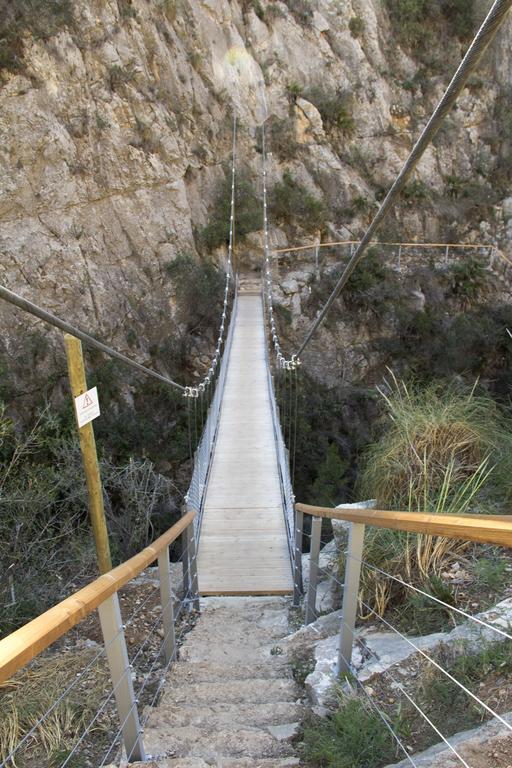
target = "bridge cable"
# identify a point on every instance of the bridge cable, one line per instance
(57, 322)
(194, 392)
(481, 41)
(286, 378)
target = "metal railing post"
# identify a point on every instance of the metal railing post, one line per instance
(185, 556)
(297, 560)
(120, 673)
(192, 562)
(316, 531)
(166, 597)
(350, 596)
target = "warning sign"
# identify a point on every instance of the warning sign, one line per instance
(87, 407)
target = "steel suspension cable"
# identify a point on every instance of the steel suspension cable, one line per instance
(481, 41)
(57, 322)
(48, 317)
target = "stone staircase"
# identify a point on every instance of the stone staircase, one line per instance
(230, 700)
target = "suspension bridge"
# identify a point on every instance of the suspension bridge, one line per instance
(225, 696)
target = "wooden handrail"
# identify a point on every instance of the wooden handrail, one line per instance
(379, 242)
(486, 529)
(23, 645)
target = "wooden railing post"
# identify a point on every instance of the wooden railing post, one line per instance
(314, 552)
(121, 676)
(350, 596)
(77, 380)
(297, 559)
(166, 597)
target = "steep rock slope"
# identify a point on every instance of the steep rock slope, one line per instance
(114, 132)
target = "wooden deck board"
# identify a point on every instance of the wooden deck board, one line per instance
(243, 547)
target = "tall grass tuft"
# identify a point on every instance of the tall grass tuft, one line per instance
(436, 440)
(444, 451)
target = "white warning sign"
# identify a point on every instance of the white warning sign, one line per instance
(87, 407)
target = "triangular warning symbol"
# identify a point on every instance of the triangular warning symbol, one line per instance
(87, 401)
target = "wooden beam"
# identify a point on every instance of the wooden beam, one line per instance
(78, 383)
(464, 246)
(486, 529)
(20, 647)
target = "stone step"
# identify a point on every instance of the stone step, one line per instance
(226, 713)
(211, 743)
(255, 691)
(215, 650)
(213, 671)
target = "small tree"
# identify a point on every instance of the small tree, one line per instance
(330, 481)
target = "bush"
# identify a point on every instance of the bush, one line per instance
(45, 532)
(199, 291)
(467, 278)
(41, 18)
(248, 213)
(301, 10)
(330, 482)
(282, 138)
(352, 737)
(291, 203)
(417, 23)
(335, 108)
(356, 26)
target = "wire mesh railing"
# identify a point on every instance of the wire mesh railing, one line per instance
(203, 455)
(402, 680)
(398, 256)
(137, 676)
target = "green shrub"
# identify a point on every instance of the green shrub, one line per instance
(356, 26)
(119, 76)
(301, 10)
(291, 203)
(248, 213)
(41, 18)
(445, 702)
(198, 287)
(491, 572)
(330, 482)
(353, 737)
(282, 138)
(414, 192)
(467, 278)
(443, 451)
(335, 108)
(419, 24)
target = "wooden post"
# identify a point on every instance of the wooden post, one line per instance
(76, 371)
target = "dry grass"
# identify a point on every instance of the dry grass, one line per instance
(25, 699)
(445, 452)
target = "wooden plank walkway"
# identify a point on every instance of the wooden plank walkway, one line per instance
(242, 547)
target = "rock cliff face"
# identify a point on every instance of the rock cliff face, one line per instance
(115, 131)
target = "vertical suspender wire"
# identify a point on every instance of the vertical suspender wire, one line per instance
(295, 419)
(189, 426)
(196, 438)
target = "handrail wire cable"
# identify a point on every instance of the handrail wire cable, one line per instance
(399, 687)
(467, 616)
(90, 664)
(104, 705)
(481, 41)
(426, 656)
